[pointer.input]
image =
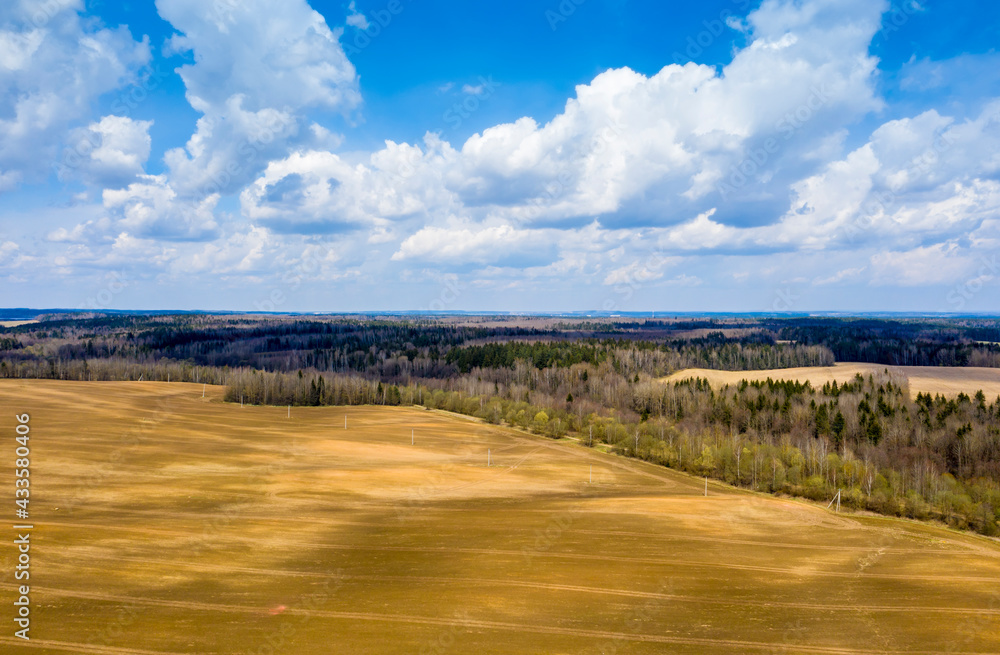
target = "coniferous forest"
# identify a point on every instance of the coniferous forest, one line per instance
(600, 381)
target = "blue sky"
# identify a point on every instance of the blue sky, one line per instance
(619, 155)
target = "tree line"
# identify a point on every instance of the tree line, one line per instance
(660, 359)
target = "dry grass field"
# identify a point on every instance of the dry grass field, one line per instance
(169, 523)
(922, 379)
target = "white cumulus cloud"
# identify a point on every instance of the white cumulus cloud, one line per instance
(501, 245)
(254, 75)
(54, 65)
(151, 209)
(109, 153)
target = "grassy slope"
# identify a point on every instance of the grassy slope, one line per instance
(186, 525)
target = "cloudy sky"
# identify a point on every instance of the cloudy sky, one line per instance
(618, 155)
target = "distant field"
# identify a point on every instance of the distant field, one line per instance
(922, 379)
(168, 523)
(8, 324)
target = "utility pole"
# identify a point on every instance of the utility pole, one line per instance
(836, 499)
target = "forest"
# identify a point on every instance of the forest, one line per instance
(600, 382)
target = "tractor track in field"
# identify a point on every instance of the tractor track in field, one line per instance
(484, 624)
(180, 533)
(625, 593)
(528, 552)
(86, 649)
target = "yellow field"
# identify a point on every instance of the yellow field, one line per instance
(922, 379)
(168, 523)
